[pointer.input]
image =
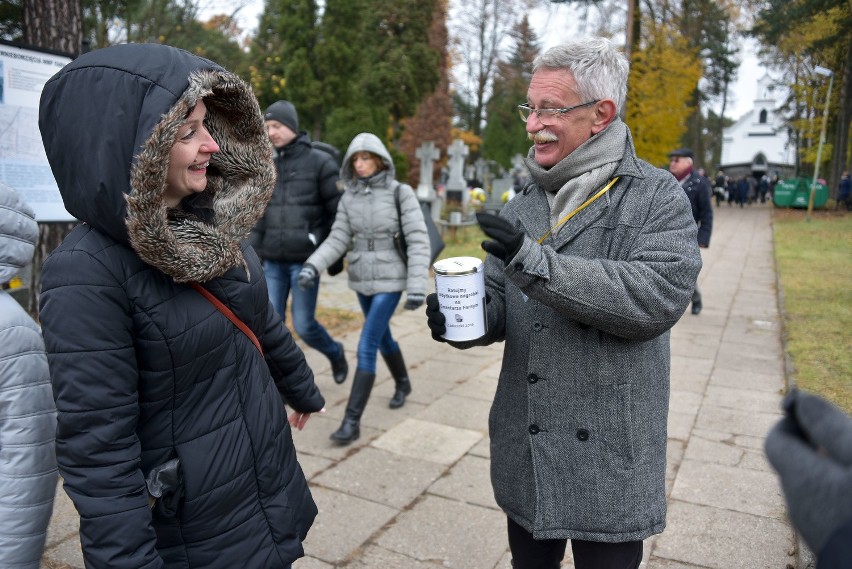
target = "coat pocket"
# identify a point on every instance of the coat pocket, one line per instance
(165, 488)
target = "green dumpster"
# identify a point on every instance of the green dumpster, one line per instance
(795, 192)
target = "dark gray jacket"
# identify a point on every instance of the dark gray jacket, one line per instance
(578, 423)
(299, 216)
(144, 368)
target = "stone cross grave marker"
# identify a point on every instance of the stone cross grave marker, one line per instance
(456, 184)
(427, 153)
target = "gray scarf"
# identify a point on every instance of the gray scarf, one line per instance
(586, 170)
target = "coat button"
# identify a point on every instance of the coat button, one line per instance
(519, 266)
(534, 430)
(537, 326)
(532, 378)
(582, 434)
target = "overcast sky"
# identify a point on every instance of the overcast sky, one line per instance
(550, 25)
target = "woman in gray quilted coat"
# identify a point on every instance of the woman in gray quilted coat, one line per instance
(173, 440)
(27, 412)
(365, 224)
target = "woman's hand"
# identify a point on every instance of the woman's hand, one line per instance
(298, 420)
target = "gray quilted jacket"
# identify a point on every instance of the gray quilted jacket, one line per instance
(364, 226)
(578, 423)
(27, 414)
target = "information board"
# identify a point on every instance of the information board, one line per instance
(23, 162)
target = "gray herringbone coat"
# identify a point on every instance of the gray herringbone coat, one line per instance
(578, 423)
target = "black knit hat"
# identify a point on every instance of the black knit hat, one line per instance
(682, 152)
(283, 112)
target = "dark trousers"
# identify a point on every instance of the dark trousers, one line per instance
(529, 553)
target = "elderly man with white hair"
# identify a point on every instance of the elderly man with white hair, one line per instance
(588, 269)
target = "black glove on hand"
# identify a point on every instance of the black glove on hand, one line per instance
(435, 320)
(413, 301)
(307, 277)
(507, 240)
(811, 448)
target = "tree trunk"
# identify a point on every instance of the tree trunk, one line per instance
(55, 25)
(840, 154)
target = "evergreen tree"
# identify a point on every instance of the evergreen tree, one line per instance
(504, 135)
(285, 61)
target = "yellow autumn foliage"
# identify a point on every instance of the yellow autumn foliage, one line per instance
(664, 73)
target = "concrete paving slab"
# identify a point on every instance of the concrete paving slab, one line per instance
(464, 412)
(735, 422)
(343, 524)
(375, 557)
(737, 357)
(425, 440)
(469, 481)
(482, 449)
(381, 476)
(482, 387)
(749, 379)
(750, 401)
(687, 402)
(701, 536)
(314, 438)
(456, 535)
(690, 374)
(680, 425)
(729, 488)
(312, 464)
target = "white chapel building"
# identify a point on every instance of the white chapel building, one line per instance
(759, 142)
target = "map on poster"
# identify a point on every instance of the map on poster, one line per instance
(23, 162)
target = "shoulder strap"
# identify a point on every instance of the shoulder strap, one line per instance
(229, 314)
(396, 201)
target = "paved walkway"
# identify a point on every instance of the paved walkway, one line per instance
(414, 491)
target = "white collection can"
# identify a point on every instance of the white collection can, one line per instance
(460, 285)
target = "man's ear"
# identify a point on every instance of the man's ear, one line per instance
(605, 112)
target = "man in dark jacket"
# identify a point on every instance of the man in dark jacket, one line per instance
(297, 219)
(698, 191)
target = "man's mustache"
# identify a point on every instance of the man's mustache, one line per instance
(542, 136)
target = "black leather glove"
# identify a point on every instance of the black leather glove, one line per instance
(413, 301)
(307, 277)
(507, 240)
(336, 267)
(811, 448)
(435, 320)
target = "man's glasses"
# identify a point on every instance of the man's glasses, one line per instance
(548, 117)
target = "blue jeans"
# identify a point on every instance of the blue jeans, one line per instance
(376, 335)
(281, 281)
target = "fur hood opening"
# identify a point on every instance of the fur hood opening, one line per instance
(112, 171)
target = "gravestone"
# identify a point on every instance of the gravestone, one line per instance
(427, 153)
(494, 203)
(456, 184)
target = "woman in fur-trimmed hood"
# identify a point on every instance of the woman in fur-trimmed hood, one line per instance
(170, 441)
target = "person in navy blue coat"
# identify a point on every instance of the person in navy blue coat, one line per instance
(172, 435)
(681, 162)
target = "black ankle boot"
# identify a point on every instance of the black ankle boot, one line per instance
(339, 367)
(350, 429)
(396, 365)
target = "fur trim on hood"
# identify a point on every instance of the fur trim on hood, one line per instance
(108, 121)
(240, 181)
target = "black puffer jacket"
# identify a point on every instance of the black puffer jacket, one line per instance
(144, 368)
(299, 216)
